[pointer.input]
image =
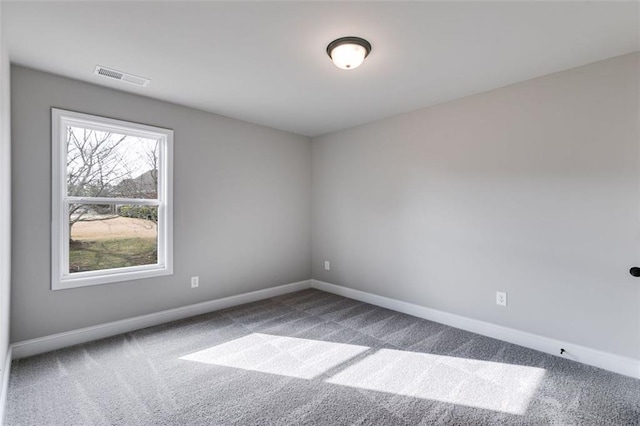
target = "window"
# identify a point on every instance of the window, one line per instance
(111, 200)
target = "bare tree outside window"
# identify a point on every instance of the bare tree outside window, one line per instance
(109, 165)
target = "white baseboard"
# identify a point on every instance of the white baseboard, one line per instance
(4, 384)
(74, 337)
(616, 363)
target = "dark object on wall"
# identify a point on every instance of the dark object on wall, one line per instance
(635, 271)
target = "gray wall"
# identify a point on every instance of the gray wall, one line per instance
(5, 205)
(530, 189)
(241, 212)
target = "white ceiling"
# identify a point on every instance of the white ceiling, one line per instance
(265, 62)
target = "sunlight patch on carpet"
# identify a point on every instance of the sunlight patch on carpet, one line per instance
(495, 386)
(474, 383)
(286, 356)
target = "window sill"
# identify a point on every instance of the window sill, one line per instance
(85, 279)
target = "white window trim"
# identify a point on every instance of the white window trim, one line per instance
(61, 278)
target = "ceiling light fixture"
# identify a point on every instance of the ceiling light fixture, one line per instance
(348, 53)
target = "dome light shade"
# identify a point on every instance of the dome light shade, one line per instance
(348, 53)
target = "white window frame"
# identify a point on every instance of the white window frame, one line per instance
(61, 277)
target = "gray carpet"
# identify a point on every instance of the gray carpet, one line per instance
(312, 358)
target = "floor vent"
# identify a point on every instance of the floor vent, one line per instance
(122, 76)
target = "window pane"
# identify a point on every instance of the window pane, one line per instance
(105, 164)
(112, 236)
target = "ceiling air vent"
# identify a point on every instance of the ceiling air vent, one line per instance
(122, 76)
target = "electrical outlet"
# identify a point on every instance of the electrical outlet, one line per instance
(195, 282)
(501, 298)
(327, 265)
